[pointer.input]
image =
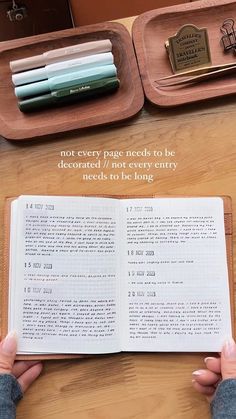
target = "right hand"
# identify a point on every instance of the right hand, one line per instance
(205, 381)
(25, 372)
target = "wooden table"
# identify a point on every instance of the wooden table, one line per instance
(203, 139)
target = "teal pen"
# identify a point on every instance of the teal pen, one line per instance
(65, 81)
(69, 95)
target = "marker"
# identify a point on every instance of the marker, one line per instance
(61, 54)
(67, 80)
(64, 67)
(69, 95)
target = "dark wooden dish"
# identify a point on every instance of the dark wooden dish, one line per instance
(118, 106)
(152, 29)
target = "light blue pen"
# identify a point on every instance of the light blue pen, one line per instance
(62, 68)
(67, 80)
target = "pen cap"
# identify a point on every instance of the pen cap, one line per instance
(83, 76)
(27, 63)
(77, 64)
(78, 50)
(29, 76)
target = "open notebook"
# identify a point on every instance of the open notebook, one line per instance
(90, 275)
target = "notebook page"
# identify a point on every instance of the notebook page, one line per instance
(66, 273)
(175, 281)
(12, 265)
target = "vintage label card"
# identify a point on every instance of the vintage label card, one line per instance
(189, 49)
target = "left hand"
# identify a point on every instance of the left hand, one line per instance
(25, 372)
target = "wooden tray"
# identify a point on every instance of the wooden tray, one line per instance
(151, 30)
(123, 104)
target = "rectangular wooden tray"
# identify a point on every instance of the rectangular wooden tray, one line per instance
(152, 29)
(118, 106)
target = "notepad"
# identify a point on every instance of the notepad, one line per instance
(92, 275)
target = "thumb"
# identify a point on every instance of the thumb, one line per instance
(7, 353)
(228, 360)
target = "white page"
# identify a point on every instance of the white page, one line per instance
(175, 293)
(12, 265)
(65, 271)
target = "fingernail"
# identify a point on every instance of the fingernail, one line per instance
(229, 349)
(9, 344)
(197, 373)
(208, 358)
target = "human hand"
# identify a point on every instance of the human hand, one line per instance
(25, 372)
(205, 381)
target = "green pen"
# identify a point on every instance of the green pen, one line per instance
(66, 81)
(70, 94)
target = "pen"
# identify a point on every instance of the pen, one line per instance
(67, 80)
(69, 95)
(64, 67)
(61, 54)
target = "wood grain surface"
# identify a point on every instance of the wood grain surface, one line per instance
(126, 386)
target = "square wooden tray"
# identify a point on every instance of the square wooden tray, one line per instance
(118, 106)
(152, 29)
